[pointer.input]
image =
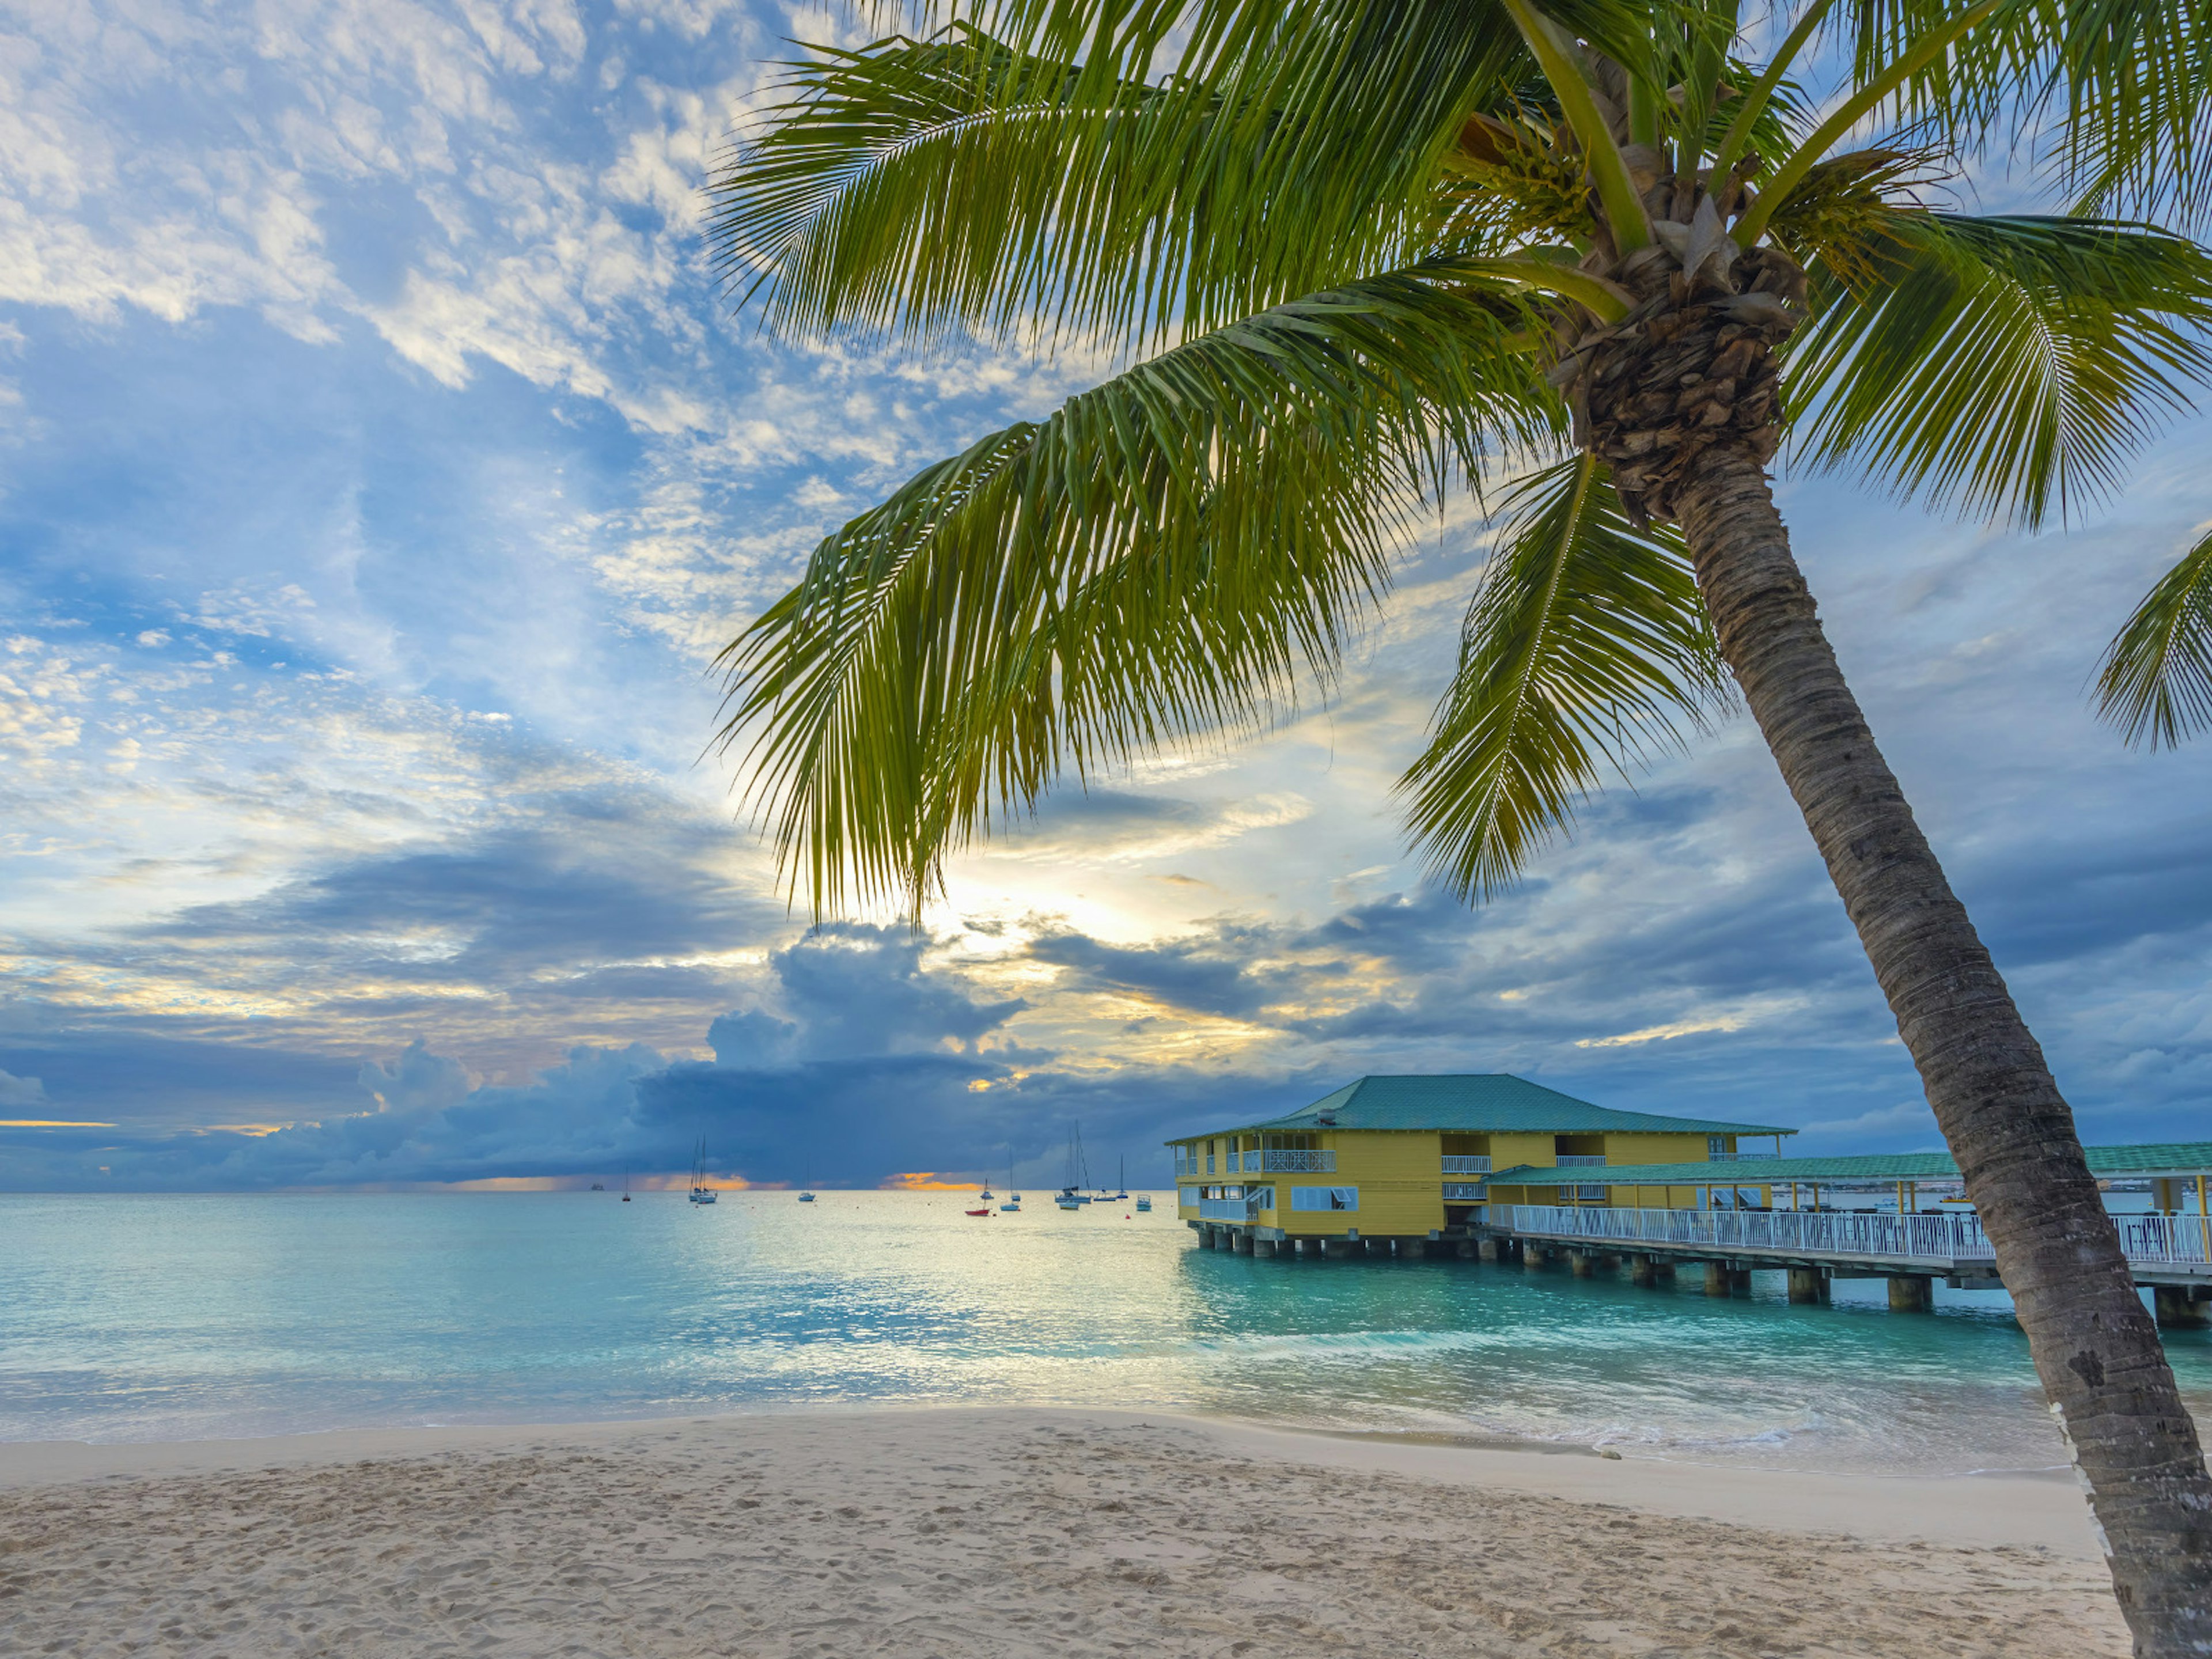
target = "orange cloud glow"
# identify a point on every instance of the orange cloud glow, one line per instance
(926, 1181)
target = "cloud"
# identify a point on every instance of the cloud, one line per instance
(863, 1023)
(21, 1090)
(382, 471)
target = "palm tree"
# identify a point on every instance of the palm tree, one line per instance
(1581, 252)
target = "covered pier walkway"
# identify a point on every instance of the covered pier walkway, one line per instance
(1745, 1213)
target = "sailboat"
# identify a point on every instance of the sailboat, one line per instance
(1013, 1204)
(1121, 1184)
(806, 1193)
(701, 1192)
(625, 1183)
(1072, 1196)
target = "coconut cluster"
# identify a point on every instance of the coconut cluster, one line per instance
(1692, 365)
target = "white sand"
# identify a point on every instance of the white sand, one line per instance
(1013, 1532)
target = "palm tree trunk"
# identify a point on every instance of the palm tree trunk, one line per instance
(2095, 1347)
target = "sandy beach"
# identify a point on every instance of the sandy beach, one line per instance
(991, 1531)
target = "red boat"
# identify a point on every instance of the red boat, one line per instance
(986, 1210)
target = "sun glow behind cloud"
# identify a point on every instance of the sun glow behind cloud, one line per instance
(381, 471)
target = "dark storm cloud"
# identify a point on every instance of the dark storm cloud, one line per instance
(1214, 973)
(601, 880)
(864, 1057)
(612, 913)
(865, 1053)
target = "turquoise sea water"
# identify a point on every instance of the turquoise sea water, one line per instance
(165, 1318)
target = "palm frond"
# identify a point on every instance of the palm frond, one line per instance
(1586, 643)
(1163, 555)
(1030, 167)
(2129, 92)
(1955, 97)
(2005, 366)
(2156, 679)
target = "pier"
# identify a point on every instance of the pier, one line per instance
(1492, 1167)
(2171, 1255)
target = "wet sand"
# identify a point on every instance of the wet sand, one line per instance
(989, 1531)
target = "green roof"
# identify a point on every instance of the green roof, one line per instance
(1484, 1103)
(2158, 1157)
(2170, 1158)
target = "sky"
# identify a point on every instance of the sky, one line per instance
(381, 468)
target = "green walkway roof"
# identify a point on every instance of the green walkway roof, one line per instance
(1484, 1103)
(2166, 1158)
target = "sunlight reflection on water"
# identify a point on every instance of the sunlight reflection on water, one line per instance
(152, 1318)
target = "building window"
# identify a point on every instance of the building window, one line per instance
(1188, 1197)
(1209, 1157)
(1260, 1197)
(1717, 1147)
(1324, 1197)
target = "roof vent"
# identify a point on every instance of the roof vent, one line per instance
(1327, 1118)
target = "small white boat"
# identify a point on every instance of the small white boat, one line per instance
(701, 1192)
(1013, 1204)
(1072, 1196)
(1143, 1207)
(806, 1193)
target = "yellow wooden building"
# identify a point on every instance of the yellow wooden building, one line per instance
(1410, 1158)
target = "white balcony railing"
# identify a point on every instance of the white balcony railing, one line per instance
(1581, 1160)
(2151, 1240)
(1282, 1161)
(1455, 1164)
(1736, 1158)
(2182, 1239)
(1934, 1238)
(1224, 1209)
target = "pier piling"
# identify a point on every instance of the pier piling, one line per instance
(1582, 1263)
(1912, 1293)
(2178, 1309)
(1716, 1279)
(1488, 1249)
(1808, 1286)
(1642, 1273)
